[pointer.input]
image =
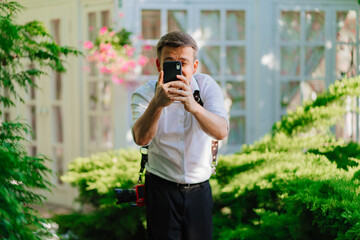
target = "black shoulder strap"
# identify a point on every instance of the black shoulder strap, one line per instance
(197, 97)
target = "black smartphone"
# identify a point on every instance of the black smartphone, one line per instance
(171, 69)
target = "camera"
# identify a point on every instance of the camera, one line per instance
(135, 195)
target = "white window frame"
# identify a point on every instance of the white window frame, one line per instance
(133, 24)
(330, 9)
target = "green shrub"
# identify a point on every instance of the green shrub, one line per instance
(96, 177)
(298, 182)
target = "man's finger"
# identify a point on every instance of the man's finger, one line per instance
(183, 79)
(161, 78)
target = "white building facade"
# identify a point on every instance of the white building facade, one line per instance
(268, 56)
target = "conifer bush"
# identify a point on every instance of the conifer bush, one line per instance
(20, 172)
(297, 182)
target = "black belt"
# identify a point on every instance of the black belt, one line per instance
(178, 185)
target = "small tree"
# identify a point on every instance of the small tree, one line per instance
(19, 172)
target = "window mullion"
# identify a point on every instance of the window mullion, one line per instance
(302, 53)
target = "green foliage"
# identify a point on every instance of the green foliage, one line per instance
(299, 182)
(321, 113)
(29, 44)
(20, 173)
(119, 39)
(96, 177)
(107, 223)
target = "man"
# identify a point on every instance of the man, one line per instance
(178, 131)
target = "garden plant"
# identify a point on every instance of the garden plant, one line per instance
(20, 172)
(297, 182)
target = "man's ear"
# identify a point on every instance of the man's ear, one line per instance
(158, 65)
(196, 65)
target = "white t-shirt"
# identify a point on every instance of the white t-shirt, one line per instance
(181, 150)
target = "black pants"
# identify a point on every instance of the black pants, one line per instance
(178, 213)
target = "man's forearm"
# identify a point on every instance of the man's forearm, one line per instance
(212, 124)
(146, 126)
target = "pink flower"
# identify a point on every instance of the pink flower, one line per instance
(104, 47)
(142, 60)
(112, 33)
(105, 70)
(117, 80)
(147, 47)
(131, 64)
(121, 15)
(111, 54)
(88, 45)
(103, 58)
(129, 50)
(124, 68)
(103, 30)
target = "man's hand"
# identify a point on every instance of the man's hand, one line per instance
(163, 94)
(181, 91)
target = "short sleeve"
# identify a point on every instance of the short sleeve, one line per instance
(212, 96)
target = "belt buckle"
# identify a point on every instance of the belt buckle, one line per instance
(185, 186)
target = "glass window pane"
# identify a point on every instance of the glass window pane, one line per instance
(210, 60)
(235, 60)
(236, 93)
(55, 30)
(290, 61)
(312, 88)
(93, 95)
(107, 132)
(32, 151)
(348, 127)
(7, 117)
(290, 95)
(151, 24)
(92, 129)
(237, 134)
(210, 25)
(32, 119)
(105, 18)
(105, 95)
(345, 60)
(177, 20)
(93, 69)
(59, 161)
(57, 86)
(315, 26)
(150, 67)
(289, 24)
(92, 26)
(235, 25)
(57, 125)
(32, 93)
(346, 26)
(315, 62)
